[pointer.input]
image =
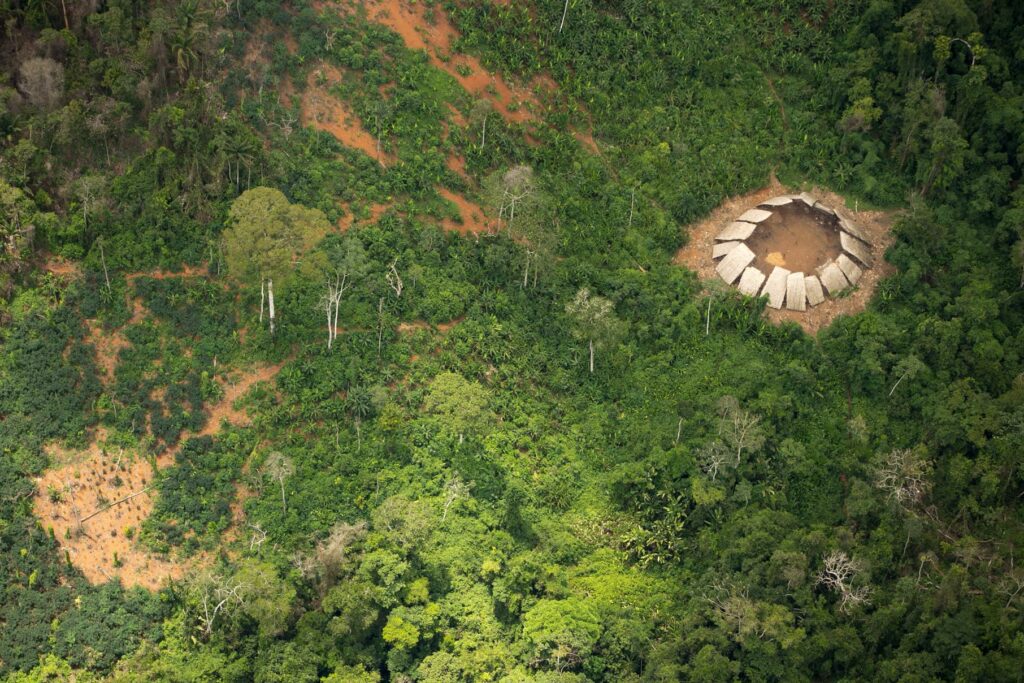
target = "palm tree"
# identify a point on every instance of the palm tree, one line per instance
(191, 30)
(359, 405)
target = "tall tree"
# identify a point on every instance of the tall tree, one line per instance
(946, 156)
(523, 213)
(594, 321)
(342, 261)
(461, 404)
(19, 220)
(279, 467)
(267, 237)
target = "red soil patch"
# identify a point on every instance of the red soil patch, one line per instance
(435, 37)
(587, 140)
(87, 482)
(474, 220)
(62, 267)
(84, 482)
(457, 164)
(108, 345)
(877, 225)
(285, 91)
(290, 44)
(185, 271)
(325, 112)
(457, 118)
(424, 325)
(349, 219)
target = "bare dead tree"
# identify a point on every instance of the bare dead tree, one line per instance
(41, 79)
(837, 574)
(517, 185)
(216, 595)
(632, 204)
(394, 279)
(103, 259)
(903, 475)
(330, 302)
(453, 491)
(324, 563)
(258, 538)
(565, 11)
(733, 607)
(739, 429)
(712, 458)
(1011, 584)
(279, 467)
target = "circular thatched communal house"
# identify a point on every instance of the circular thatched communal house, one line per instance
(792, 249)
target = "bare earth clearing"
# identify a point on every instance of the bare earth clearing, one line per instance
(795, 237)
(794, 251)
(80, 483)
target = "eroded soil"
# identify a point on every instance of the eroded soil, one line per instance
(324, 111)
(95, 499)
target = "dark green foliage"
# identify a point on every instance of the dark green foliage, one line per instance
(447, 494)
(107, 624)
(47, 379)
(196, 492)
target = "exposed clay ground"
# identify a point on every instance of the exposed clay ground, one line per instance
(81, 482)
(435, 36)
(877, 225)
(324, 111)
(424, 325)
(795, 237)
(474, 220)
(89, 480)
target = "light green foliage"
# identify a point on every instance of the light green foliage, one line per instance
(51, 668)
(460, 405)
(266, 234)
(562, 633)
(175, 658)
(399, 633)
(351, 674)
(728, 499)
(265, 597)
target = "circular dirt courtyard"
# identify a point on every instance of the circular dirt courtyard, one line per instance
(811, 255)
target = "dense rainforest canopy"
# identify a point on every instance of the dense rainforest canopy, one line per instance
(343, 341)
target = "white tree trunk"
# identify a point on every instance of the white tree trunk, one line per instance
(564, 12)
(334, 328)
(330, 330)
(591, 356)
(263, 294)
(270, 302)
